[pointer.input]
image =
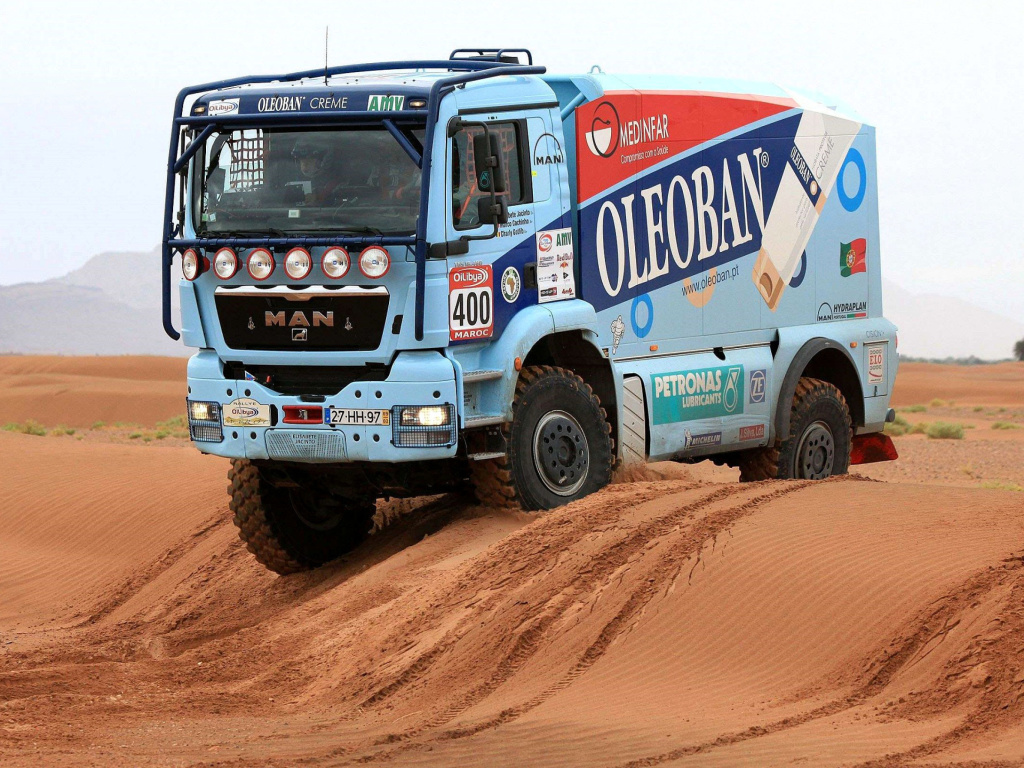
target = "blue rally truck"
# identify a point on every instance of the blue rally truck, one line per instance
(405, 276)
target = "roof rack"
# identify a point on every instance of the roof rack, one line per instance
(498, 55)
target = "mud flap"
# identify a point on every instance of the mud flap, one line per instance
(867, 449)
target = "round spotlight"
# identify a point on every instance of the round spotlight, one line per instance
(298, 264)
(192, 264)
(374, 262)
(335, 262)
(225, 263)
(260, 264)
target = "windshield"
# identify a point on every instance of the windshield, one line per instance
(259, 180)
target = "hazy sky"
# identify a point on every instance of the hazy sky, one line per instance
(87, 92)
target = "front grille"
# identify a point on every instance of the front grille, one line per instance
(326, 319)
(305, 444)
(305, 379)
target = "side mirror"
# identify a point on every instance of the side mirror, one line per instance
(487, 156)
(492, 210)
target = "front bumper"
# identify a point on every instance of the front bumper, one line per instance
(416, 378)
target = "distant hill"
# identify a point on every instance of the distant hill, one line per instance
(111, 306)
(934, 326)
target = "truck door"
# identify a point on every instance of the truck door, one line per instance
(497, 276)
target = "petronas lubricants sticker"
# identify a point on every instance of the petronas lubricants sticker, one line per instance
(700, 394)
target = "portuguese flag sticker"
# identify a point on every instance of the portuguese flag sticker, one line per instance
(851, 257)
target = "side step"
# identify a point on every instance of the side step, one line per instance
(474, 376)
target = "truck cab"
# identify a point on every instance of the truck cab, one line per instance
(401, 277)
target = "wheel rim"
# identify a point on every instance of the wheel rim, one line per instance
(561, 453)
(817, 452)
(316, 517)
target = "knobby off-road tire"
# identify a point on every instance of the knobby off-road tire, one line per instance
(559, 444)
(819, 440)
(293, 529)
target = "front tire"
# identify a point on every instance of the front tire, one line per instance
(559, 447)
(819, 440)
(293, 527)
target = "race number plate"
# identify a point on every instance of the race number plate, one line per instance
(470, 303)
(360, 417)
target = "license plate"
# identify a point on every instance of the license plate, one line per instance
(361, 417)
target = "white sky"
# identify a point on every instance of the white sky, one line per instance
(87, 91)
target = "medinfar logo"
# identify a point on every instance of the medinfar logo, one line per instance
(603, 136)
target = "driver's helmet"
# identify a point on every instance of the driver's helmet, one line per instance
(312, 147)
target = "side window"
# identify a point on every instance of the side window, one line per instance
(466, 193)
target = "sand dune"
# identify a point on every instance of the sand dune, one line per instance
(678, 620)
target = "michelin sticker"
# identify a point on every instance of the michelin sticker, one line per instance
(701, 394)
(555, 277)
(246, 412)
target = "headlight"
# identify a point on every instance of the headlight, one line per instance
(192, 264)
(335, 263)
(203, 411)
(225, 263)
(425, 416)
(374, 261)
(298, 264)
(260, 264)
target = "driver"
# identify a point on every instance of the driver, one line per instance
(315, 154)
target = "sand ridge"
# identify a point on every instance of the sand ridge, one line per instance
(675, 618)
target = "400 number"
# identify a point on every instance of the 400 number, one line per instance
(472, 309)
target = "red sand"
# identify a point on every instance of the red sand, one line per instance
(679, 620)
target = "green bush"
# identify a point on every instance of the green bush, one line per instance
(1004, 425)
(60, 429)
(28, 428)
(920, 428)
(997, 485)
(898, 427)
(914, 408)
(944, 430)
(937, 403)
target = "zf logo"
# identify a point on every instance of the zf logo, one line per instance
(757, 386)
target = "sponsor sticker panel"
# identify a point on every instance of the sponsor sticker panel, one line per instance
(876, 364)
(470, 303)
(756, 386)
(246, 412)
(755, 432)
(697, 394)
(555, 277)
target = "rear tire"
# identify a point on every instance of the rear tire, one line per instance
(291, 529)
(559, 444)
(819, 440)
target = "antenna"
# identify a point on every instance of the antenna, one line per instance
(327, 31)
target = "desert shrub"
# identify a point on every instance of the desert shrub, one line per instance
(173, 422)
(945, 430)
(1004, 425)
(898, 427)
(914, 408)
(998, 485)
(920, 428)
(937, 403)
(30, 427)
(60, 429)
(978, 408)
(134, 435)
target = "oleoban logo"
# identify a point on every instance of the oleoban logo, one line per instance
(603, 136)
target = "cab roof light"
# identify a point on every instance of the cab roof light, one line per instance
(335, 262)
(225, 263)
(193, 264)
(298, 264)
(260, 264)
(374, 262)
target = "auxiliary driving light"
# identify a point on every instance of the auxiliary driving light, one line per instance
(193, 265)
(204, 421)
(374, 262)
(260, 264)
(425, 416)
(335, 262)
(225, 263)
(298, 264)
(423, 426)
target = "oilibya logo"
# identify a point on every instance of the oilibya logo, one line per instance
(709, 213)
(469, 277)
